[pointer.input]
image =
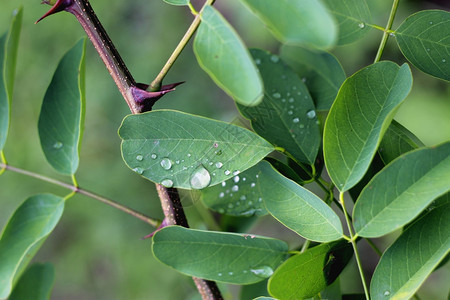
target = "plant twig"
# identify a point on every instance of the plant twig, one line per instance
(353, 241)
(76, 189)
(387, 31)
(156, 83)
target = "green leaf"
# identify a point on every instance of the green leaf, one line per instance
(402, 190)
(352, 17)
(297, 22)
(178, 2)
(61, 121)
(285, 170)
(186, 151)
(396, 141)
(320, 70)
(222, 54)
(306, 274)
(36, 283)
(424, 39)
(8, 56)
(410, 260)
(30, 224)
(297, 208)
(252, 291)
(225, 257)
(361, 113)
(238, 196)
(286, 117)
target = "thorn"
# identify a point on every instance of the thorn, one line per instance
(60, 5)
(147, 99)
(163, 224)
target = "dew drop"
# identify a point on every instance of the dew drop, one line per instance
(243, 198)
(443, 60)
(189, 155)
(283, 100)
(311, 114)
(296, 120)
(392, 34)
(57, 145)
(167, 183)
(235, 188)
(361, 25)
(227, 172)
(224, 183)
(304, 79)
(386, 293)
(291, 100)
(220, 274)
(276, 95)
(236, 172)
(431, 22)
(290, 112)
(166, 163)
(244, 179)
(221, 195)
(138, 170)
(264, 271)
(200, 179)
(259, 199)
(139, 158)
(153, 156)
(302, 126)
(236, 179)
(428, 49)
(252, 184)
(274, 58)
(258, 61)
(230, 273)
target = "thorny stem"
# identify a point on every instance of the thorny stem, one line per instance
(387, 31)
(156, 83)
(75, 189)
(353, 241)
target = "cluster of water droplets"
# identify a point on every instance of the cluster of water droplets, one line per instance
(260, 271)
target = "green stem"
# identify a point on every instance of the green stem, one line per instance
(387, 30)
(75, 189)
(353, 241)
(3, 161)
(374, 247)
(157, 82)
(305, 246)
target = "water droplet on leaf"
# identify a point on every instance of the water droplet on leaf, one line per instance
(274, 58)
(224, 183)
(219, 165)
(264, 271)
(235, 188)
(167, 183)
(221, 195)
(200, 179)
(252, 184)
(138, 170)
(361, 25)
(154, 156)
(139, 158)
(276, 95)
(311, 114)
(296, 120)
(236, 179)
(227, 172)
(258, 61)
(386, 293)
(57, 145)
(166, 163)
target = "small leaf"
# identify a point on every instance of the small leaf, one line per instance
(306, 274)
(402, 190)
(296, 207)
(352, 17)
(8, 56)
(408, 262)
(186, 151)
(320, 70)
(36, 283)
(364, 107)
(396, 141)
(30, 224)
(286, 117)
(424, 39)
(178, 2)
(238, 196)
(300, 22)
(222, 54)
(225, 257)
(61, 120)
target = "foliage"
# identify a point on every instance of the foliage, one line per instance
(309, 122)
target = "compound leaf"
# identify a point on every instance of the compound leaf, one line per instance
(181, 150)
(361, 113)
(402, 190)
(223, 55)
(61, 120)
(8, 56)
(297, 22)
(220, 256)
(424, 39)
(24, 233)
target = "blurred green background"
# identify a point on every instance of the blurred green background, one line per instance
(96, 250)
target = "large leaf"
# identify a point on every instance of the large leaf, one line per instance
(61, 120)
(186, 151)
(219, 256)
(30, 224)
(320, 70)
(424, 39)
(306, 274)
(238, 196)
(352, 17)
(296, 207)
(361, 113)
(286, 117)
(402, 190)
(36, 283)
(222, 54)
(297, 22)
(396, 141)
(413, 256)
(8, 57)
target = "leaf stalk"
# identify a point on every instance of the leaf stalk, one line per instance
(387, 31)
